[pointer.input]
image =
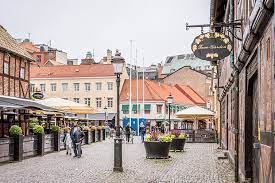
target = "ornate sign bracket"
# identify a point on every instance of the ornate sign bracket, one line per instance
(236, 24)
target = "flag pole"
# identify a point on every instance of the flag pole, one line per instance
(138, 111)
(143, 88)
(130, 98)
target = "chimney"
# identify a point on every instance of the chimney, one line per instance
(109, 56)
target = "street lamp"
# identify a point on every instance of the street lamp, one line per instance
(169, 101)
(105, 110)
(118, 63)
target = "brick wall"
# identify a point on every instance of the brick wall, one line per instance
(12, 84)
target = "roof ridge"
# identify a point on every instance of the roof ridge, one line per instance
(196, 92)
(153, 90)
(184, 93)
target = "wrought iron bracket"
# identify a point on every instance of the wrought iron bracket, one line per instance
(237, 24)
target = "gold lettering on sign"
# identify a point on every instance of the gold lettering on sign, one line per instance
(212, 55)
(202, 47)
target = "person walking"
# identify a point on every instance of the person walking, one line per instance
(77, 135)
(68, 142)
(142, 131)
(162, 128)
(128, 132)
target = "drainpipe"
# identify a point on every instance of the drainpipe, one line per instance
(236, 92)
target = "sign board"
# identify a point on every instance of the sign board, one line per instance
(37, 95)
(211, 46)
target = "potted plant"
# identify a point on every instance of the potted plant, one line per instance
(16, 133)
(56, 137)
(178, 140)
(31, 123)
(157, 145)
(39, 131)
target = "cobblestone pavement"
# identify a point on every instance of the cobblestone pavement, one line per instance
(197, 164)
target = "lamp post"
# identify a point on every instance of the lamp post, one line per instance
(169, 101)
(105, 110)
(118, 63)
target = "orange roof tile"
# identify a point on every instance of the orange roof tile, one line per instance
(190, 93)
(157, 92)
(63, 71)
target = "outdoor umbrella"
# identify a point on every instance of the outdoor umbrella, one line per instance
(67, 106)
(195, 112)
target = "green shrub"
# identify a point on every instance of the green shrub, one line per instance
(55, 128)
(38, 129)
(15, 130)
(32, 125)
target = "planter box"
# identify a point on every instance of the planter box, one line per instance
(157, 150)
(18, 148)
(40, 144)
(86, 137)
(56, 141)
(177, 144)
(93, 135)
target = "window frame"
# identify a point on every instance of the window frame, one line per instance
(6, 68)
(65, 84)
(41, 87)
(53, 84)
(87, 87)
(76, 84)
(97, 86)
(98, 102)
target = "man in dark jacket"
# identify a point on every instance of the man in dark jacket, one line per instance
(77, 135)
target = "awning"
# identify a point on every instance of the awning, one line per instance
(15, 103)
(195, 112)
(97, 116)
(147, 107)
(125, 108)
(68, 106)
(135, 107)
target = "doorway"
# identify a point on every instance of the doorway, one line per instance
(251, 130)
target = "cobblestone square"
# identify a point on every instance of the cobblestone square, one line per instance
(197, 164)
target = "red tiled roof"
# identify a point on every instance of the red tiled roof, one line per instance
(159, 92)
(191, 93)
(59, 71)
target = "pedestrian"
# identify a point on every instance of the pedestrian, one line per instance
(142, 131)
(128, 132)
(67, 142)
(162, 128)
(108, 130)
(77, 135)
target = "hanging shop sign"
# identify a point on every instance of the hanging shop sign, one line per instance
(38, 95)
(211, 46)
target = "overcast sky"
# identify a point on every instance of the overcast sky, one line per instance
(77, 26)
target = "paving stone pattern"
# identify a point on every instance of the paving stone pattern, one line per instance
(197, 164)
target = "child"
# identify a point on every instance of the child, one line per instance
(68, 142)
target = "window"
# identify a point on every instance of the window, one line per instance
(65, 86)
(6, 68)
(125, 109)
(22, 73)
(87, 101)
(43, 87)
(136, 108)
(110, 102)
(98, 86)
(268, 48)
(110, 85)
(87, 86)
(209, 90)
(76, 100)
(65, 98)
(53, 87)
(76, 86)
(98, 102)
(159, 108)
(147, 108)
(32, 87)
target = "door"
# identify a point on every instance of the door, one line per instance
(251, 129)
